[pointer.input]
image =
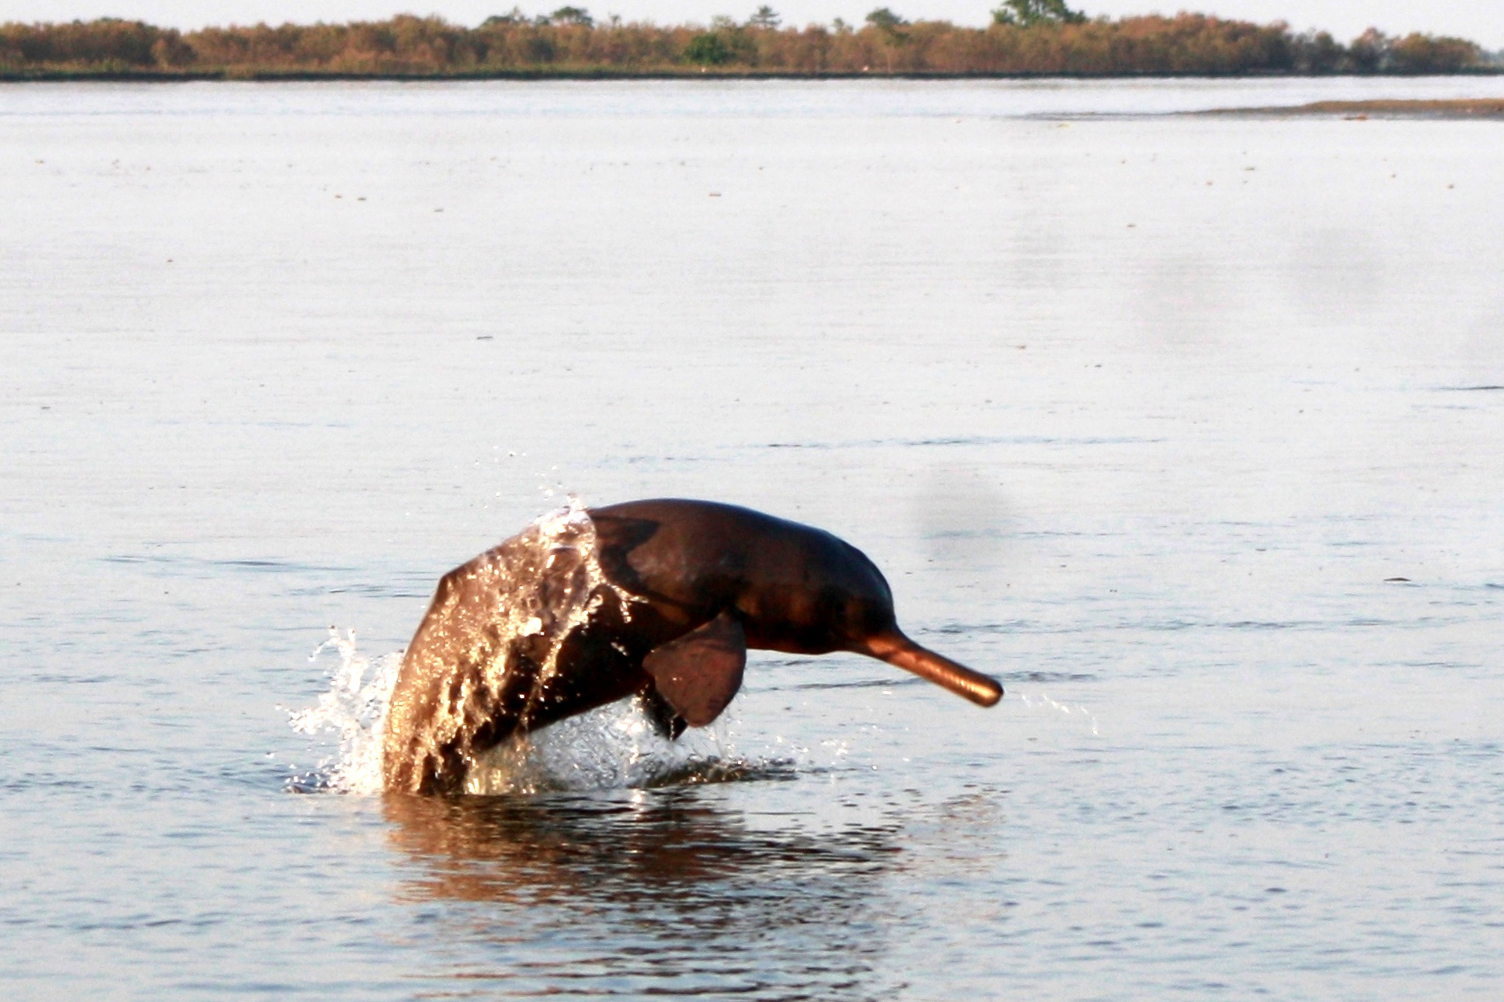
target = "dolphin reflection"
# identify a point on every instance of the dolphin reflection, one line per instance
(649, 892)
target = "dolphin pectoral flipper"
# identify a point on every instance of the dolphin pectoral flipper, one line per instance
(664, 718)
(700, 672)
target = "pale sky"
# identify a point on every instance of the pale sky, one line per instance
(1480, 20)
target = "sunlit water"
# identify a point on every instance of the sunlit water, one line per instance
(1186, 427)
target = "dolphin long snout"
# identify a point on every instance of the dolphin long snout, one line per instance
(901, 652)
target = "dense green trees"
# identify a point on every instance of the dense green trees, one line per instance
(708, 49)
(1028, 13)
(1027, 37)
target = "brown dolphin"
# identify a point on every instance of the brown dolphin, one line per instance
(656, 598)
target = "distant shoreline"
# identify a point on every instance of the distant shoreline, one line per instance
(1490, 108)
(613, 74)
(1029, 39)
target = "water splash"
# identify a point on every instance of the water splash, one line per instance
(615, 747)
(354, 708)
(1044, 702)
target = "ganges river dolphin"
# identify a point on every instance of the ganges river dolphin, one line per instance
(660, 599)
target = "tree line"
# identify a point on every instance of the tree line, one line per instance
(1025, 38)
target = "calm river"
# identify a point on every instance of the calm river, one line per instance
(1189, 428)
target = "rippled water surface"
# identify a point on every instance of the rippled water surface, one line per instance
(1186, 427)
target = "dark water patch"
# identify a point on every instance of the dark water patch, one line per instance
(364, 591)
(1013, 626)
(260, 773)
(62, 678)
(1253, 625)
(1256, 624)
(865, 683)
(639, 460)
(701, 772)
(1049, 676)
(178, 565)
(965, 534)
(1445, 665)
(1021, 628)
(30, 781)
(181, 642)
(1066, 534)
(1275, 625)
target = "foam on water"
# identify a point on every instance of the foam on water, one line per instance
(354, 708)
(615, 747)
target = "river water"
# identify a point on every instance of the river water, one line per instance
(1186, 427)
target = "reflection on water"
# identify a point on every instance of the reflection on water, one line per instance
(648, 893)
